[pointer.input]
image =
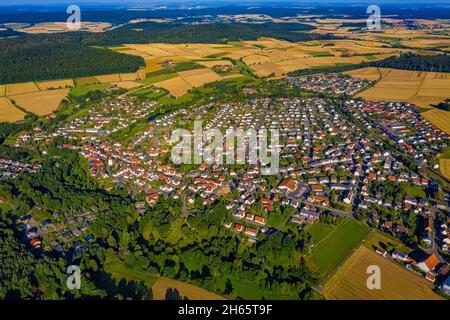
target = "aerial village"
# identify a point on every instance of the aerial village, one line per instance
(329, 165)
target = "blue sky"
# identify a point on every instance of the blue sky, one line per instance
(149, 2)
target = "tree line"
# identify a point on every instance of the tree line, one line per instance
(72, 54)
(46, 61)
(407, 61)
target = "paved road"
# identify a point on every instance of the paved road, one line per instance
(333, 211)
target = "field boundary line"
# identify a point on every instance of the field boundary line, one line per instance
(326, 237)
(330, 275)
(419, 87)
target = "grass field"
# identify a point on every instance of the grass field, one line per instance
(82, 90)
(190, 291)
(379, 239)
(397, 283)
(85, 81)
(159, 78)
(414, 191)
(337, 245)
(245, 289)
(320, 230)
(150, 92)
(127, 84)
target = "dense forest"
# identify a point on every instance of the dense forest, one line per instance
(414, 62)
(63, 185)
(201, 33)
(5, 32)
(48, 61)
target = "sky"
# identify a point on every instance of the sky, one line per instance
(37, 2)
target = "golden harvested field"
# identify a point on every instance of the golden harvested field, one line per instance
(117, 77)
(420, 88)
(41, 102)
(397, 283)
(152, 65)
(199, 77)
(9, 113)
(415, 39)
(20, 88)
(371, 73)
(426, 43)
(128, 76)
(190, 291)
(266, 55)
(176, 86)
(439, 118)
(55, 84)
(189, 79)
(53, 27)
(444, 165)
(108, 78)
(210, 64)
(45, 96)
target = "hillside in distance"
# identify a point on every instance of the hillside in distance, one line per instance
(74, 54)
